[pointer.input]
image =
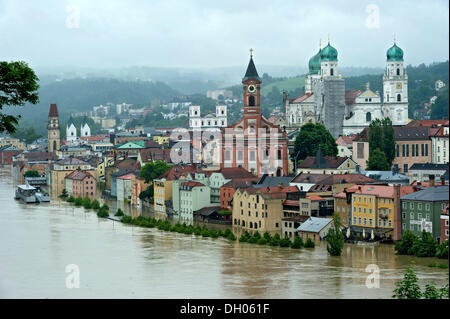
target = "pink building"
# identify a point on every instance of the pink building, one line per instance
(81, 183)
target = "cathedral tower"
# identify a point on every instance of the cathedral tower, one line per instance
(395, 87)
(53, 129)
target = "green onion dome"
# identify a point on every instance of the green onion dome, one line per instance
(394, 53)
(314, 64)
(328, 53)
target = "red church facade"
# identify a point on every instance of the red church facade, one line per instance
(254, 143)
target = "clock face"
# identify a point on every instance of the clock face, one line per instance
(399, 85)
(251, 88)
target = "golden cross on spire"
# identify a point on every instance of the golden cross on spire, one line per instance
(320, 44)
(251, 52)
(394, 38)
(328, 38)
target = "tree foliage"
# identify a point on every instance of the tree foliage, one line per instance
(18, 85)
(28, 134)
(153, 170)
(404, 246)
(377, 161)
(335, 237)
(310, 138)
(381, 137)
(408, 288)
(439, 110)
(31, 173)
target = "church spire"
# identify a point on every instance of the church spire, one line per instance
(251, 70)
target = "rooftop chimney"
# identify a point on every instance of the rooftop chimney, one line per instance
(431, 180)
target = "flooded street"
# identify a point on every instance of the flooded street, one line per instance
(38, 241)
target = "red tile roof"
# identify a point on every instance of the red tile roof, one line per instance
(351, 95)
(273, 192)
(192, 184)
(379, 190)
(332, 161)
(78, 175)
(291, 202)
(428, 123)
(301, 98)
(175, 172)
(234, 172)
(315, 197)
(53, 111)
(345, 140)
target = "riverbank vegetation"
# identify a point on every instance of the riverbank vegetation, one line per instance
(408, 288)
(335, 237)
(425, 246)
(102, 211)
(165, 225)
(275, 240)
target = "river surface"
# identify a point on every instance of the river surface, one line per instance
(38, 241)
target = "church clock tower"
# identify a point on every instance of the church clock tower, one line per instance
(53, 129)
(252, 87)
(395, 87)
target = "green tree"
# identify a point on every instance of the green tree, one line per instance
(78, 201)
(63, 194)
(148, 193)
(18, 85)
(426, 246)
(377, 161)
(298, 243)
(310, 138)
(153, 170)
(335, 238)
(95, 204)
(31, 173)
(381, 137)
(71, 199)
(87, 203)
(119, 212)
(309, 243)
(404, 246)
(442, 250)
(28, 134)
(439, 110)
(408, 288)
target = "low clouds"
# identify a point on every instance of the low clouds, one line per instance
(211, 34)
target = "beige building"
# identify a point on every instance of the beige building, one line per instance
(439, 146)
(320, 164)
(10, 141)
(261, 209)
(60, 169)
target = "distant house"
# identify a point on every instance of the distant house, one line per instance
(315, 228)
(212, 215)
(320, 164)
(444, 224)
(421, 172)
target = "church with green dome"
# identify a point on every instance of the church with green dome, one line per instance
(347, 112)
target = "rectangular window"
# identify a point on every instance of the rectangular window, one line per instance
(403, 215)
(407, 150)
(397, 150)
(411, 216)
(403, 150)
(421, 147)
(240, 157)
(390, 223)
(403, 205)
(365, 221)
(427, 206)
(419, 216)
(359, 220)
(252, 155)
(405, 168)
(419, 206)
(403, 226)
(279, 154)
(426, 149)
(227, 155)
(411, 227)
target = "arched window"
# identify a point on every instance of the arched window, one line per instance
(388, 97)
(54, 145)
(331, 72)
(398, 71)
(399, 97)
(279, 172)
(368, 117)
(251, 101)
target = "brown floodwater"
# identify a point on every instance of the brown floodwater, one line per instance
(38, 241)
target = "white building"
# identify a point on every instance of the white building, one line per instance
(215, 94)
(210, 120)
(71, 133)
(439, 146)
(362, 108)
(439, 85)
(122, 108)
(85, 130)
(395, 87)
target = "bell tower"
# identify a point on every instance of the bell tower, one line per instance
(53, 129)
(252, 88)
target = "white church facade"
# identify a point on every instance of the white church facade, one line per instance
(196, 121)
(71, 132)
(348, 112)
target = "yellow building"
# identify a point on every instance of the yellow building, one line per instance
(343, 207)
(373, 209)
(162, 193)
(63, 168)
(162, 139)
(10, 141)
(260, 209)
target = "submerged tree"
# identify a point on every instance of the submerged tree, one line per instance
(335, 237)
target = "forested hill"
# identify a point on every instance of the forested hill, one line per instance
(80, 95)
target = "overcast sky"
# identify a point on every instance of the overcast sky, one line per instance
(207, 33)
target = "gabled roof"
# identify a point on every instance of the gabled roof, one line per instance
(345, 140)
(429, 194)
(175, 172)
(71, 161)
(272, 192)
(78, 175)
(234, 172)
(273, 181)
(314, 224)
(346, 179)
(382, 191)
(409, 133)
(309, 178)
(315, 198)
(302, 98)
(241, 183)
(427, 123)
(323, 162)
(351, 95)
